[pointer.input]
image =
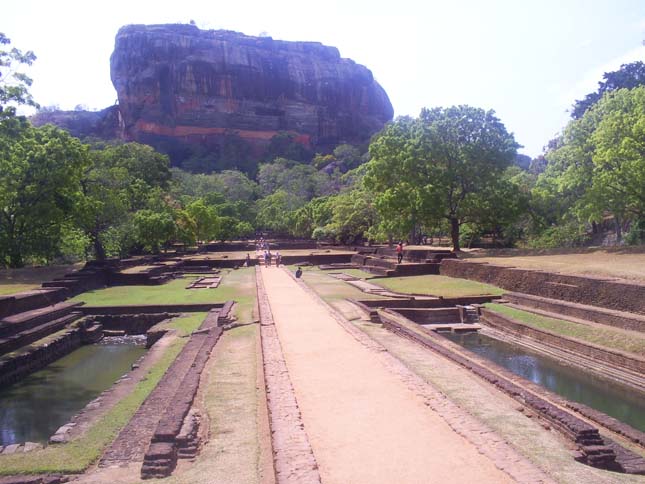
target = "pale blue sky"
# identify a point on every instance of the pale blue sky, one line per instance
(528, 60)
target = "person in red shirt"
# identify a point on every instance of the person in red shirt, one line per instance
(399, 251)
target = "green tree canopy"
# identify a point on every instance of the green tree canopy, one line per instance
(598, 168)
(120, 180)
(40, 171)
(628, 76)
(14, 85)
(440, 165)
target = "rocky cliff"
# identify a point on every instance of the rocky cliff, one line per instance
(177, 83)
(105, 124)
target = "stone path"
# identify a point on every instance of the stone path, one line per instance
(363, 422)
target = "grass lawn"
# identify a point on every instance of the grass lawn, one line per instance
(187, 323)
(329, 288)
(356, 273)
(6, 289)
(625, 264)
(236, 284)
(27, 278)
(630, 342)
(79, 454)
(436, 286)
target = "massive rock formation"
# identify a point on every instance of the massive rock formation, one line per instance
(104, 124)
(178, 83)
(225, 97)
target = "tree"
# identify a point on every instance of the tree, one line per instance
(628, 76)
(287, 145)
(207, 222)
(302, 181)
(14, 85)
(441, 165)
(353, 213)
(120, 180)
(618, 175)
(599, 167)
(274, 211)
(154, 229)
(40, 170)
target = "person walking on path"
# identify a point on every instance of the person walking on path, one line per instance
(278, 259)
(399, 252)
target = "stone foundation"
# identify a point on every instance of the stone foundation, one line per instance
(594, 291)
(613, 357)
(608, 317)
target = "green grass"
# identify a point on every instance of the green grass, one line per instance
(608, 338)
(77, 455)
(356, 273)
(173, 292)
(185, 325)
(437, 286)
(6, 289)
(331, 289)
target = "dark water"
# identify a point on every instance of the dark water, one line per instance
(33, 409)
(621, 403)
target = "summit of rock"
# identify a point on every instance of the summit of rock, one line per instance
(179, 83)
(209, 93)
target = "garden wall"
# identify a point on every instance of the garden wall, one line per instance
(595, 291)
(613, 357)
(30, 300)
(608, 317)
(150, 308)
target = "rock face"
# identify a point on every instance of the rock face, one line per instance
(181, 86)
(104, 124)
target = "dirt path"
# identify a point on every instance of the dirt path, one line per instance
(363, 423)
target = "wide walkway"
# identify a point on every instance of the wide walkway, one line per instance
(363, 423)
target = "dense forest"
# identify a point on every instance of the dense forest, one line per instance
(451, 172)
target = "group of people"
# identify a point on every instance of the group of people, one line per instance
(261, 244)
(268, 257)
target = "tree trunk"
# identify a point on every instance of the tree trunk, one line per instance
(15, 254)
(99, 250)
(454, 233)
(15, 259)
(619, 229)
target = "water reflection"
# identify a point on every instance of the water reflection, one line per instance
(33, 409)
(620, 402)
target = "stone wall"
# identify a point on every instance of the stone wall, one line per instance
(614, 357)
(14, 369)
(426, 315)
(149, 308)
(30, 300)
(594, 291)
(427, 303)
(608, 317)
(162, 453)
(130, 323)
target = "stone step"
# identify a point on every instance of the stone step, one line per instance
(29, 319)
(24, 338)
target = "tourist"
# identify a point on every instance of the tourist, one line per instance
(267, 258)
(248, 261)
(278, 259)
(399, 251)
(298, 273)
